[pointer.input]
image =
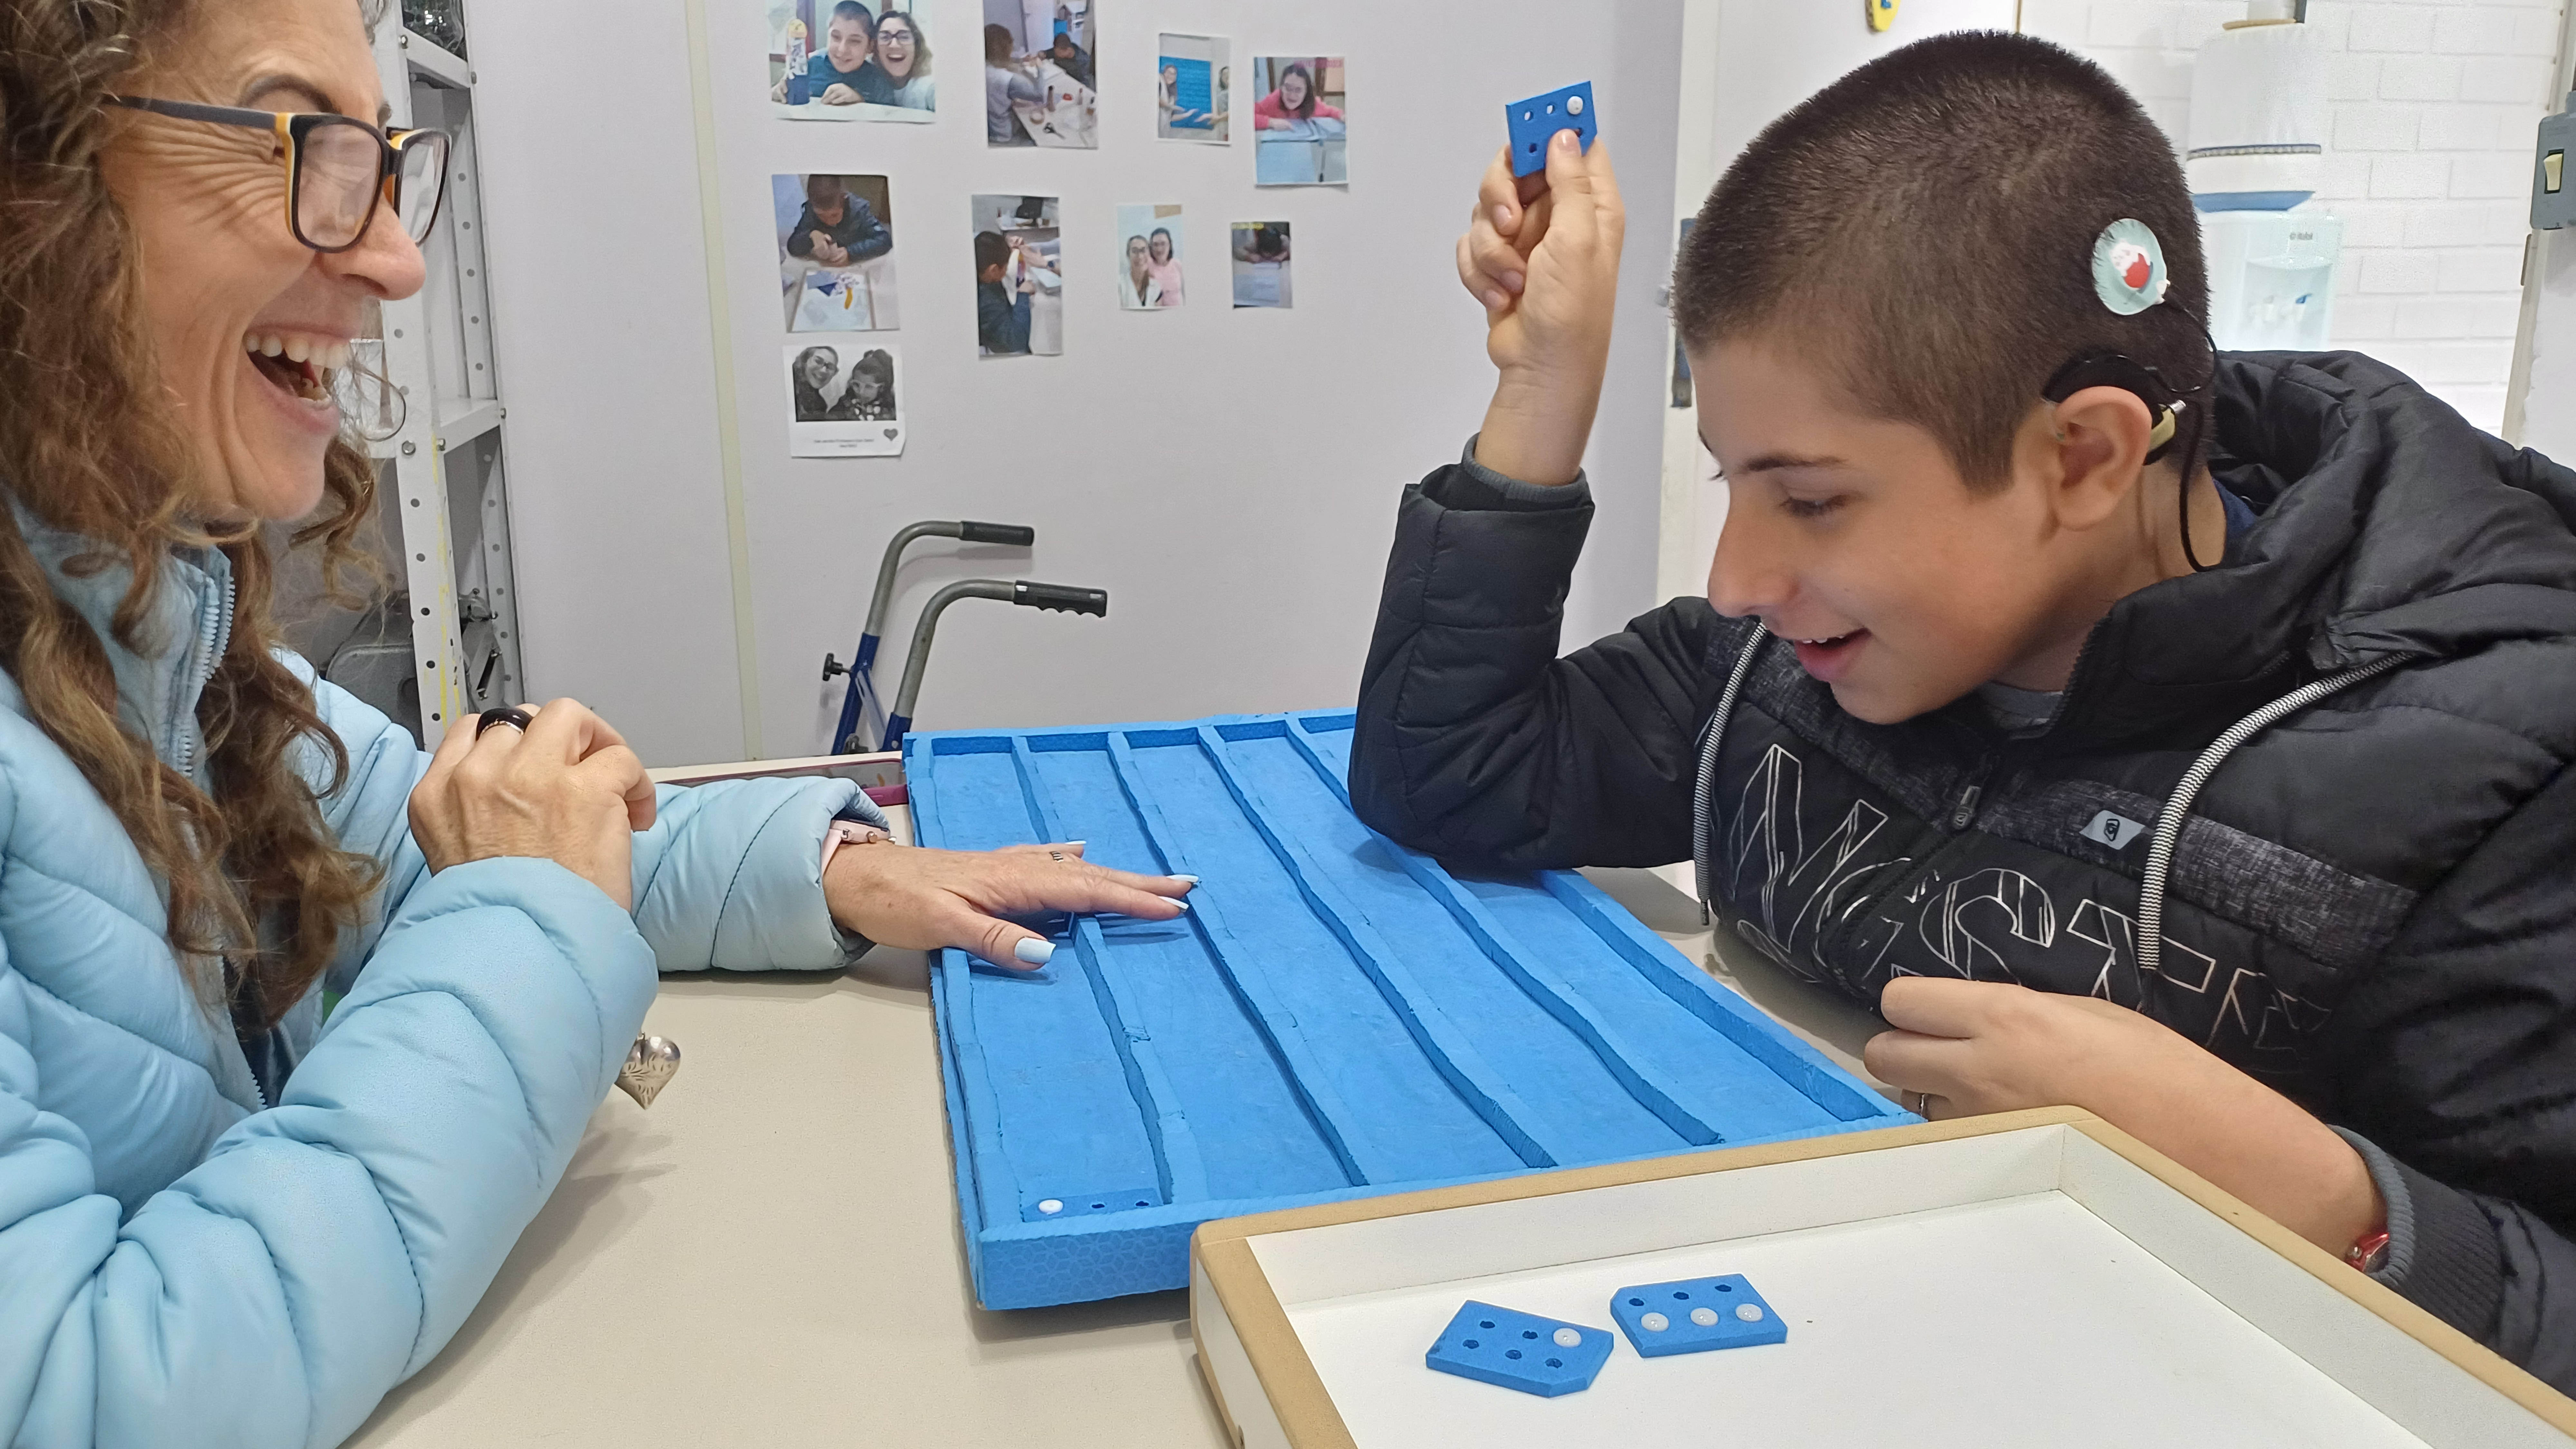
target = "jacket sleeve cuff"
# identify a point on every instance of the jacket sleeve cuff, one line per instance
(2442, 1249)
(1472, 485)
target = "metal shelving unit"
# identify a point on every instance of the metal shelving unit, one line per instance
(442, 476)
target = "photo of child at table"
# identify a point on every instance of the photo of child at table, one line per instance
(1261, 255)
(1007, 84)
(1293, 93)
(836, 228)
(1301, 124)
(835, 252)
(1019, 285)
(849, 59)
(1072, 59)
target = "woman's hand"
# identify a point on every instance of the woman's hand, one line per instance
(1542, 255)
(922, 900)
(1978, 1046)
(568, 791)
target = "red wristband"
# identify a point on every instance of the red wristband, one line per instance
(2369, 1252)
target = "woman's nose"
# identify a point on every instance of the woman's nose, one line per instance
(386, 261)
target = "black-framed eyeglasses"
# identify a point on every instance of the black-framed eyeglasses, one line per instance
(339, 169)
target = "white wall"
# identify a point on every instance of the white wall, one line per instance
(2429, 163)
(1230, 477)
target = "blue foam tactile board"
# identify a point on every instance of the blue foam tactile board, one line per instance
(1535, 122)
(1336, 1017)
(1542, 1356)
(1693, 1315)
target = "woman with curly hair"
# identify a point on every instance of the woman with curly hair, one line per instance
(221, 1221)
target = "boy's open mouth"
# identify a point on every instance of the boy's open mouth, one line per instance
(1829, 659)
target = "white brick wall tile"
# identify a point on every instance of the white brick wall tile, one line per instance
(2400, 271)
(2464, 127)
(2360, 317)
(2524, 79)
(2372, 223)
(2432, 317)
(2482, 269)
(2496, 316)
(2444, 226)
(2535, 32)
(2058, 20)
(2474, 30)
(2376, 126)
(2353, 77)
(2414, 176)
(2491, 174)
(2407, 29)
(2420, 78)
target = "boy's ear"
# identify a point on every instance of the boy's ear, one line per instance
(2090, 450)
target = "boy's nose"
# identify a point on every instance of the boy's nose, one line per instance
(1747, 577)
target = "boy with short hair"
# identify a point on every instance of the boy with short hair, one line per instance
(2179, 736)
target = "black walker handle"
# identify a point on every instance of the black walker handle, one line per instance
(1061, 597)
(1009, 535)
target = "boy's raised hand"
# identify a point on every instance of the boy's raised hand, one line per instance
(1542, 255)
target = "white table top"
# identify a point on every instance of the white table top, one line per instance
(771, 1255)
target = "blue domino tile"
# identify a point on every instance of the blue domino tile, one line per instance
(1336, 1017)
(1535, 122)
(1694, 1315)
(1543, 1356)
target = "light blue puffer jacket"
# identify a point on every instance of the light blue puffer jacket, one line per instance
(182, 1264)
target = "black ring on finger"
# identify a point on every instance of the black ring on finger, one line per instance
(516, 718)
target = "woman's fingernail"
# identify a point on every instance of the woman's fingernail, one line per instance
(1175, 900)
(1076, 844)
(1502, 216)
(1194, 880)
(1035, 952)
(1513, 282)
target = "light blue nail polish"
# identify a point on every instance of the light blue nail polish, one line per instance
(1035, 952)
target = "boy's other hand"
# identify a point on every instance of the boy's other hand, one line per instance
(1542, 255)
(1980, 1046)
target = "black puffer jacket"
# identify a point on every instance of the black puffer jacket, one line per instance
(2371, 902)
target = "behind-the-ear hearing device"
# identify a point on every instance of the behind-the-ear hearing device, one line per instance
(2166, 406)
(2116, 369)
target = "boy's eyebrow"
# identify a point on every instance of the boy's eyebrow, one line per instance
(1781, 462)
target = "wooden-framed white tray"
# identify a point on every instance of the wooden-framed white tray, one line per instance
(2031, 1278)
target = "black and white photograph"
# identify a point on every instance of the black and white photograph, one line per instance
(835, 252)
(851, 60)
(1041, 75)
(845, 400)
(1019, 276)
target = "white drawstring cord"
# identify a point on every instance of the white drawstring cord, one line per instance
(1703, 802)
(2160, 851)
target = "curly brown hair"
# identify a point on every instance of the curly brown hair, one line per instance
(254, 875)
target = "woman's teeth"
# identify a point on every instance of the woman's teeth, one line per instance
(300, 365)
(330, 356)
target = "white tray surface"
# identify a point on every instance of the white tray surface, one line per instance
(2021, 1320)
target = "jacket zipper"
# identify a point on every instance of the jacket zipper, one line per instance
(1965, 810)
(215, 635)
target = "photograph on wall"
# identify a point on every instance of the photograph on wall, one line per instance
(850, 60)
(835, 252)
(1261, 255)
(1149, 245)
(1193, 82)
(1041, 75)
(1019, 276)
(1300, 124)
(845, 400)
